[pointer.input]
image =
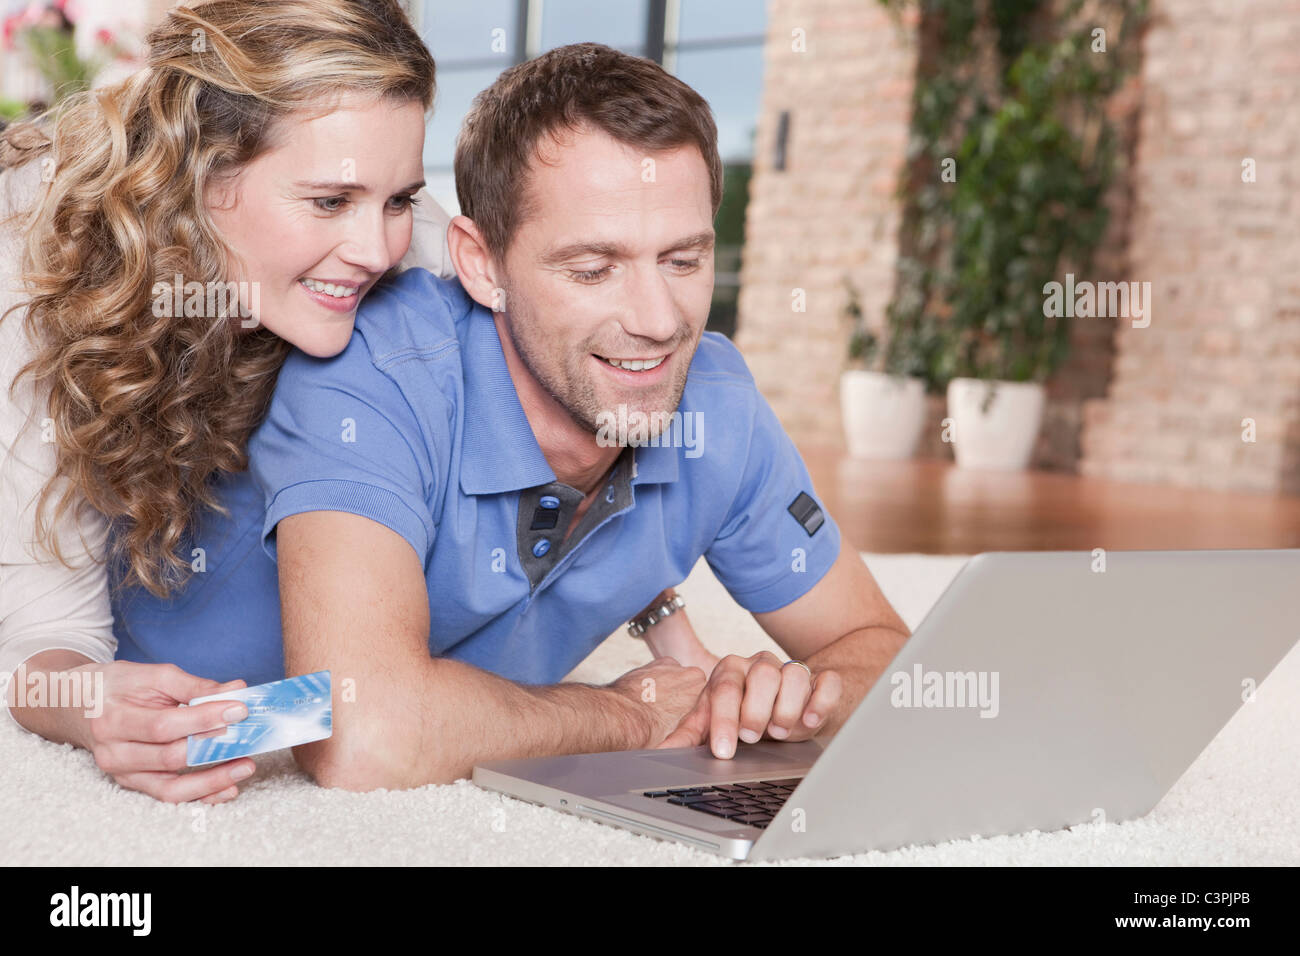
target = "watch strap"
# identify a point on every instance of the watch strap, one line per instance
(667, 603)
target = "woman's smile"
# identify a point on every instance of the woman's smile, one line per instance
(337, 296)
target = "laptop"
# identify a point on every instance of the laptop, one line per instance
(1042, 690)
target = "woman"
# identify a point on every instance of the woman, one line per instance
(275, 145)
(270, 153)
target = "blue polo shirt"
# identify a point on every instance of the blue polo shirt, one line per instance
(417, 426)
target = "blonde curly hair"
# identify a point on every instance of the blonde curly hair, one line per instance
(148, 410)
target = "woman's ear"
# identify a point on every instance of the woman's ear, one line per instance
(220, 193)
(475, 267)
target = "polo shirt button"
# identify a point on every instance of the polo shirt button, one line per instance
(549, 501)
(541, 547)
(609, 494)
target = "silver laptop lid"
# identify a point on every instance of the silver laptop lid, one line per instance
(1043, 690)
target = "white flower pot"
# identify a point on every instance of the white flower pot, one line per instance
(883, 414)
(1001, 436)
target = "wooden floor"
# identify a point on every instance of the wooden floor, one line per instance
(933, 507)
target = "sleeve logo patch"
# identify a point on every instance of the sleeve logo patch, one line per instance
(807, 512)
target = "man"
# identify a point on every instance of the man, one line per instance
(455, 521)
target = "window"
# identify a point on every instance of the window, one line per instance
(714, 45)
(621, 25)
(471, 44)
(717, 47)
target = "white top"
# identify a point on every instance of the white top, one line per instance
(43, 604)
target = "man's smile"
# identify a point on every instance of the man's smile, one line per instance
(643, 370)
(634, 364)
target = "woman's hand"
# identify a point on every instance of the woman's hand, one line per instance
(135, 728)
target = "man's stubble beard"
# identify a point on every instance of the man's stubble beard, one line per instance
(571, 389)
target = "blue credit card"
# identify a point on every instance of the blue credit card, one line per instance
(283, 713)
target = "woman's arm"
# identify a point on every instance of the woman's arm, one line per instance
(56, 621)
(46, 605)
(61, 724)
(61, 682)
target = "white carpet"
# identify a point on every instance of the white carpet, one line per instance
(1238, 804)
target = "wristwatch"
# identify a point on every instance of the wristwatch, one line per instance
(667, 603)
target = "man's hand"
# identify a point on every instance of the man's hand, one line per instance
(663, 693)
(749, 696)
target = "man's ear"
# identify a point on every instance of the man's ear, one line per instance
(475, 267)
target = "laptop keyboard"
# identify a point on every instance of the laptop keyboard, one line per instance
(754, 802)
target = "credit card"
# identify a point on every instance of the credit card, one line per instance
(283, 713)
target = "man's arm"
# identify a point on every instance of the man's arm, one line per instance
(355, 601)
(843, 628)
(843, 624)
(674, 637)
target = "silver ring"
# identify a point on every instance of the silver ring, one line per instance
(801, 664)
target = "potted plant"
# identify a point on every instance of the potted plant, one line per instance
(883, 408)
(1010, 159)
(995, 423)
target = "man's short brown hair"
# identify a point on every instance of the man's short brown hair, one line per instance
(583, 85)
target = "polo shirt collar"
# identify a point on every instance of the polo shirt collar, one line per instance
(499, 451)
(653, 464)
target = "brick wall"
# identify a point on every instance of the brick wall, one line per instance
(831, 212)
(1220, 84)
